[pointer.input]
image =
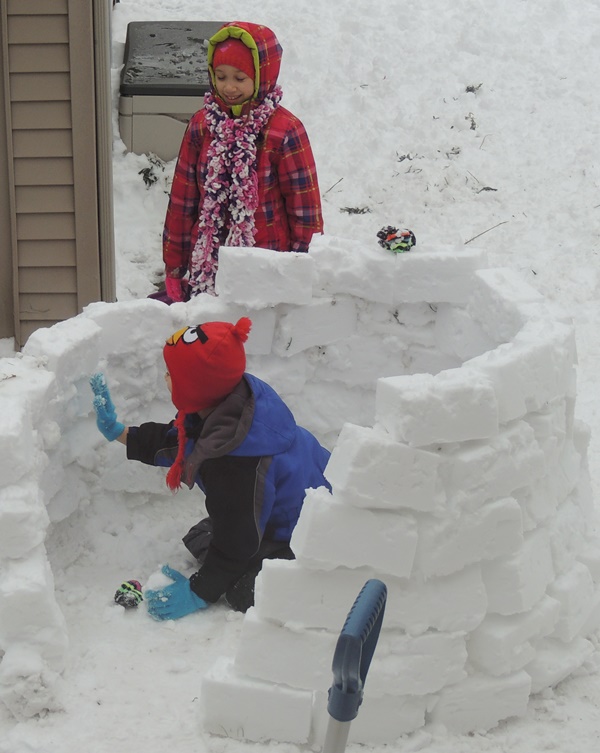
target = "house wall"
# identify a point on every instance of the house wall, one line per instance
(6, 282)
(50, 94)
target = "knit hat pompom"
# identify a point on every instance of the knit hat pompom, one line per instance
(242, 329)
(235, 53)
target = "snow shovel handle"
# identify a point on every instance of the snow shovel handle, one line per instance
(354, 651)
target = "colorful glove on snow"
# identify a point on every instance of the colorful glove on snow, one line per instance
(175, 600)
(106, 415)
(129, 594)
(396, 240)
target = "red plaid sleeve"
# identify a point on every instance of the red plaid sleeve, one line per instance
(299, 186)
(182, 210)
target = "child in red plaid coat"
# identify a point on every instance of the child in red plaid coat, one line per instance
(245, 175)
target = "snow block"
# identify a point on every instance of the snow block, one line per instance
(120, 325)
(422, 360)
(446, 546)
(575, 592)
(246, 709)
(18, 454)
(287, 593)
(567, 470)
(445, 276)
(27, 684)
(70, 348)
(592, 624)
(414, 322)
(367, 468)
(550, 422)
(514, 584)
(356, 361)
(567, 530)
(262, 334)
(73, 495)
(287, 377)
(480, 702)
(380, 719)
(497, 302)
(24, 378)
(320, 404)
(549, 427)
(402, 665)
(28, 610)
(502, 645)
(531, 371)
(556, 660)
(478, 471)
(583, 493)
(259, 277)
(23, 519)
(590, 557)
(417, 665)
(366, 273)
(322, 321)
(451, 406)
(282, 655)
(382, 540)
(134, 479)
(457, 334)
(538, 502)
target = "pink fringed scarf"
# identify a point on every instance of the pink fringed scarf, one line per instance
(230, 188)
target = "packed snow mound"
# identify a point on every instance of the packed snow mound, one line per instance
(446, 391)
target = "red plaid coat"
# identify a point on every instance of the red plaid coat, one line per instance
(289, 210)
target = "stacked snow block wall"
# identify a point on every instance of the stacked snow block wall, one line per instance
(459, 478)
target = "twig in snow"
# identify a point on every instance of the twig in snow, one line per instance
(333, 186)
(485, 231)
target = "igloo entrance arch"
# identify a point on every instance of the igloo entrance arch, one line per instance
(459, 478)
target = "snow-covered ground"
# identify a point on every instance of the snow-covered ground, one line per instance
(471, 123)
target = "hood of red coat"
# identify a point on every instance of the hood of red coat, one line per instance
(265, 45)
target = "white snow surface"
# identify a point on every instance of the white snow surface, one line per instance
(474, 124)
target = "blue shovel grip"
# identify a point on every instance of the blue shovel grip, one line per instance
(354, 651)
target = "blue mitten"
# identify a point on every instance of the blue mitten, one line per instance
(175, 600)
(106, 415)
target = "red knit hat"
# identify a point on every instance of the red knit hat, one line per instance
(234, 52)
(205, 363)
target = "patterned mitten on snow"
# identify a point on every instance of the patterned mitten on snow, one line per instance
(129, 594)
(396, 240)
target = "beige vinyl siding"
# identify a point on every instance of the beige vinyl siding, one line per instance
(52, 150)
(7, 277)
(44, 172)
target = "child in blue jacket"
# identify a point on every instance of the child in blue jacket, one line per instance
(237, 440)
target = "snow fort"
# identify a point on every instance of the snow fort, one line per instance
(446, 390)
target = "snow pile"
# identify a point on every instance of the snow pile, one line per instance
(447, 392)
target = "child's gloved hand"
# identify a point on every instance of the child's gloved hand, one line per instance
(106, 415)
(175, 600)
(176, 288)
